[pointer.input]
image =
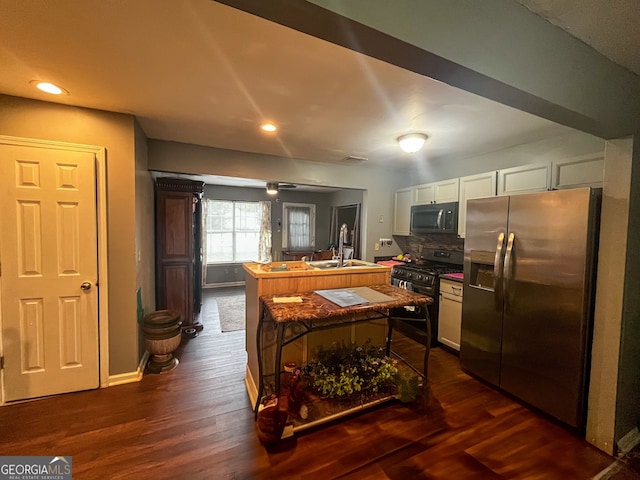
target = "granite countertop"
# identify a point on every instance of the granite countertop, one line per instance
(304, 269)
(312, 306)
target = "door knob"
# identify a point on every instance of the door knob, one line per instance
(85, 286)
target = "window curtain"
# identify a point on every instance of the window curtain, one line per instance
(204, 205)
(298, 227)
(264, 247)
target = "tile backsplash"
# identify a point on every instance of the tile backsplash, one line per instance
(414, 244)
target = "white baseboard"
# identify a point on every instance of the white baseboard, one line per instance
(209, 286)
(630, 440)
(625, 444)
(252, 390)
(130, 377)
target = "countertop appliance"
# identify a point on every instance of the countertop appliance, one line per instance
(529, 281)
(422, 276)
(434, 218)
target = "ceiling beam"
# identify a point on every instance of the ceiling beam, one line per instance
(333, 27)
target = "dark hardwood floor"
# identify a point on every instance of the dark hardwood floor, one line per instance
(196, 422)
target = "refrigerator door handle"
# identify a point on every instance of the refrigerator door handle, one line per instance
(506, 276)
(498, 293)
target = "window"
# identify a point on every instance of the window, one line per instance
(233, 231)
(298, 225)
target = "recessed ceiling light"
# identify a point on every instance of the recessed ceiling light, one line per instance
(48, 87)
(268, 127)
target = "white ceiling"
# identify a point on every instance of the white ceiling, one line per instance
(200, 72)
(610, 27)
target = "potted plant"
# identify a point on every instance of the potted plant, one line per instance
(351, 373)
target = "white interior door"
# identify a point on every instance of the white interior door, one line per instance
(48, 255)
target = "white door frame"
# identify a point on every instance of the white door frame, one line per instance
(101, 217)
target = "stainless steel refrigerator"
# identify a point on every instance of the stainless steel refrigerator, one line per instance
(529, 279)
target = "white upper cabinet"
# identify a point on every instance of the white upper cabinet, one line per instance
(525, 179)
(425, 193)
(437, 192)
(402, 211)
(474, 186)
(583, 171)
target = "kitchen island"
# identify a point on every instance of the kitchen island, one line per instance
(277, 278)
(322, 310)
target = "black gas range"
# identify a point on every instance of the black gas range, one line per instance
(423, 276)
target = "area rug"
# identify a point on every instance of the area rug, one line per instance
(231, 311)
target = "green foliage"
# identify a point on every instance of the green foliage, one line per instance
(349, 369)
(408, 387)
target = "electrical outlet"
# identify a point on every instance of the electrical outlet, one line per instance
(386, 242)
(376, 246)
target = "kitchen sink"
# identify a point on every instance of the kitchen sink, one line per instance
(328, 264)
(284, 267)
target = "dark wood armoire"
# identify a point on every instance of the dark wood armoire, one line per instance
(179, 249)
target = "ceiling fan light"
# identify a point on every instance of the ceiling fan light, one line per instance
(272, 188)
(412, 142)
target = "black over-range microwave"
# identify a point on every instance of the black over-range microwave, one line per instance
(434, 218)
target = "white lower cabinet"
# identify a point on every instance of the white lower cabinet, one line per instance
(450, 313)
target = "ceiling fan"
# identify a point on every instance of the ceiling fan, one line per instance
(275, 187)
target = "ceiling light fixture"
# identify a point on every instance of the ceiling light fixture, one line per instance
(49, 87)
(412, 142)
(272, 188)
(268, 127)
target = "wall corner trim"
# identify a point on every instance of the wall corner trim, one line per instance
(252, 391)
(130, 377)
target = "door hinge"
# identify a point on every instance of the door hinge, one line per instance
(1, 363)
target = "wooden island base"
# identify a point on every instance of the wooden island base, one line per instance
(299, 277)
